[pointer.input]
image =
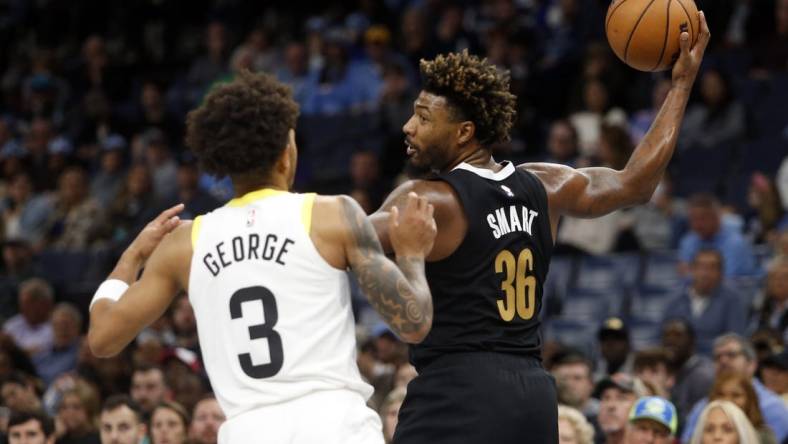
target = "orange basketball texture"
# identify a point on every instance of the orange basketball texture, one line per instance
(644, 34)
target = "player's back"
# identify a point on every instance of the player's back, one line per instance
(273, 317)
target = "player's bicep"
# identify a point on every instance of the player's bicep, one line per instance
(583, 192)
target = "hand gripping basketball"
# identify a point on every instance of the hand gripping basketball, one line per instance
(413, 232)
(686, 67)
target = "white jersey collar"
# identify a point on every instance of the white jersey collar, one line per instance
(505, 172)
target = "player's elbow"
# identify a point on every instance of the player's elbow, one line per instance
(417, 335)
(101, 344)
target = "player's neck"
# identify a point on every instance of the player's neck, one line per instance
(479, 157)
(244, 187)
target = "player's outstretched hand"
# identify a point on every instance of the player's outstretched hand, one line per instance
(154, 232)
(686, 67)
(413, 232)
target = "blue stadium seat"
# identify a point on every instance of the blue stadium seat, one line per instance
(586, 306)
(661, 270)
(643, 333)
(580, 335)
(649, 303)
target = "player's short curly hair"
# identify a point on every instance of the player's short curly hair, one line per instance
(242, 126)
(474, 88)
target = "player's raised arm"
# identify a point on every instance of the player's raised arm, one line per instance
(398, 292)
(123, 306)
(593, 192)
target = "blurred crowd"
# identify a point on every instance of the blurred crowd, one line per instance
(93, 97)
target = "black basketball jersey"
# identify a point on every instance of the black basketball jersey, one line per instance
(488, 293)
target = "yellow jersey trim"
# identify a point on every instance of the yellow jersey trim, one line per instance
(254, 196)
(196, 225)
(306, 211)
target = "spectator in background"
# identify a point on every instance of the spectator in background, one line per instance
(612, 232)
(134, 206)
(37, 141)
(774, 312)
(19, 394)
(184, 325)
(108, 180)
(206, 420)
(732, 353)
(736, 388)
(189, 193)
(614, 346)
(641, 120)
(711, 307)
(562, 144)
(168, 424)
(718, 120)
(365, 176)
(152, 112)
(294, 72)
(30, 428)
(596, 111)
(658, 224)
(62, 356)
(148, 388)
(396, 107)
(76, 219)
(708, 232)
(572, 374)
(164, 170)
(653, 420)
(723, 421)
(573, 427)
(652, 366)
(616, 397)
(774, 374)
(94, 120)
(693, 373)
(210, 66)
(766, 213)
(77, 414)
(121, 421)
(389, 412)
(31, 329)
(17, 267)
(23, 212)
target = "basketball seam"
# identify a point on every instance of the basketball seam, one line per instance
(613, 11)
(637, 23)
(665, 41)
(689, 19)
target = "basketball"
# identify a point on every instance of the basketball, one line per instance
(644, 34)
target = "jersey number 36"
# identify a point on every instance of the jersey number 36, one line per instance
(519, 288)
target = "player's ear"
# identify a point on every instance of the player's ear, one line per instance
(465, 132)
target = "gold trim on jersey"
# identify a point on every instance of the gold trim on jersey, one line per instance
(306, 211)
(196, 225)
(254, 196)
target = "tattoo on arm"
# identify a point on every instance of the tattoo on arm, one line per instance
(399, 294)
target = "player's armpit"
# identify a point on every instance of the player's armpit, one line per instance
(113, 325)
(398, 292)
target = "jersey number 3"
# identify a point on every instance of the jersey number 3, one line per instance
(518, 287)
(259, 331)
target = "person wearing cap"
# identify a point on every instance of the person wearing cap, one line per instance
(733, 353)
(652, 420)
(616, 397)
(615, 349)
(711, 307)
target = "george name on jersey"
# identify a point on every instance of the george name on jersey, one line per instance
(243, 248)
(511, 219)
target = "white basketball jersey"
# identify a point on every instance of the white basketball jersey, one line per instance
(273, 317)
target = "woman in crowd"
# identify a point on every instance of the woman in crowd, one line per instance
(168, 424)
(573, 428)
(76, 415)
(736, 388)
(721, 422)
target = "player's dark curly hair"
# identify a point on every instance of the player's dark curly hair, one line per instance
(476, 90)
(242, 126)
